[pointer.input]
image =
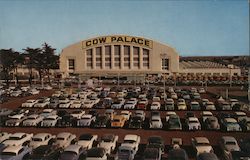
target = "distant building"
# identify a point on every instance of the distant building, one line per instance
(129, 56)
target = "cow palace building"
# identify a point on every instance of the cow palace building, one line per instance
(129, 56)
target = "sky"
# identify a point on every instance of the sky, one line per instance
(192, 27)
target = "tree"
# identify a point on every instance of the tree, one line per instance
(50, 58)
(33, 57)
(7, 60)
(18, 61)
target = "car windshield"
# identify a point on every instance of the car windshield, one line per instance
(85, 137)
(129, 141)
(8, 154)
(230, 143)
(49, 119)
(68, 153)
(60, 138)
(37, 139)
(76, 112)
(124, 151)
(202, 143)
(30, 101)
(31, 118)
(86, 118)
(151, 153)
(15, 138)
(116, 120)
(193, 121)
(15, 119)
(77, 102)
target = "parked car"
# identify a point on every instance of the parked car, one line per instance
(54, 103)
(245, 124)
(108, 142)
(135, 122)
(48, 112)
(131, 140)
(142, 104)
(169, 104)
(195, 106)
(86, 120)
(34, 91)
(110, 113)
(4, 136)
(151, 153)
(45, 152)
(87, 140)
(169, 113)
(210, 106)
(207, 156)
(50, 121)
(227, 145)
(155, 122)
(174, 123)
(29, 103)
(42, 139)
(118, 104)
(77, 114)
(102, 121)
(130, 104)
(181, 106)
(155, 106)
(141, 114)
(18, 139)
(156, 142)
(230, 124)
(97, 153)
(193, 123)
(64, 139)
(42, 102)
(32, 120)
(15, 120)
(118, 121)
(73, 152)
(15, 153)
(205, 115)
(67, 120)
(177, 153)
(126, 114)
(76, 104)
(201, 145)
(211, 123)
(126, 153)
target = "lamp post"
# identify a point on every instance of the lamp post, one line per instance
(248, 85)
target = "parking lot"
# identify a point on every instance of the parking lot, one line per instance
(145, 132)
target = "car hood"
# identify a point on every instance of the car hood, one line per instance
(232, 148)
(83, 143)
(68, 157)
(132, 145)
(12, 142)
(7, 157)
(202, 149)
(106, 145)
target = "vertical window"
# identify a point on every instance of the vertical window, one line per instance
(136, 57)
(89, 59)
(117, 55)
(165, 64)
(71, 63)
(98, 57)
(127, 57)
(108, 57)
(146, 58)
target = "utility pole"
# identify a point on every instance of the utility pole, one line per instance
(248, 85)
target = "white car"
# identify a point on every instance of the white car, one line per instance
(50, 121)
(205, 115)
(230, 124)
(131, 140)
(201, 145)
(210, 106)
(42, 103)
(87, 140)
(174, 95)
(77, 114)
(48, 112)
(15, 153)
(18, 139)
(15, 120)
(33, 120)
(65, 104)
(193, 123)
(57, 94)
(181, 106)
(86, 120)
(228, 144)
(240, 116)
(140, 113)
(155, 122)
(42, 139)
(88, 103)
(34, 91)
(126, 114)
(168, 114)
(16, 93)
(155, 106)
(202, 90)
(29, 103)
(108, 142)
(47, 87)
(4, 136)
(118, 104)
(130, 104)
(64, 139)
(76, 104)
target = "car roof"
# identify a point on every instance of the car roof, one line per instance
(207, 113)
(131, 137)
(201, 140)
(41, 135)
(193, 118)
(47, 110)
(87, 116)
(73, 148)
(207, 156)
(13, 149)
(19, 134)
(63, 134)
(232, 120)
(228, 138)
